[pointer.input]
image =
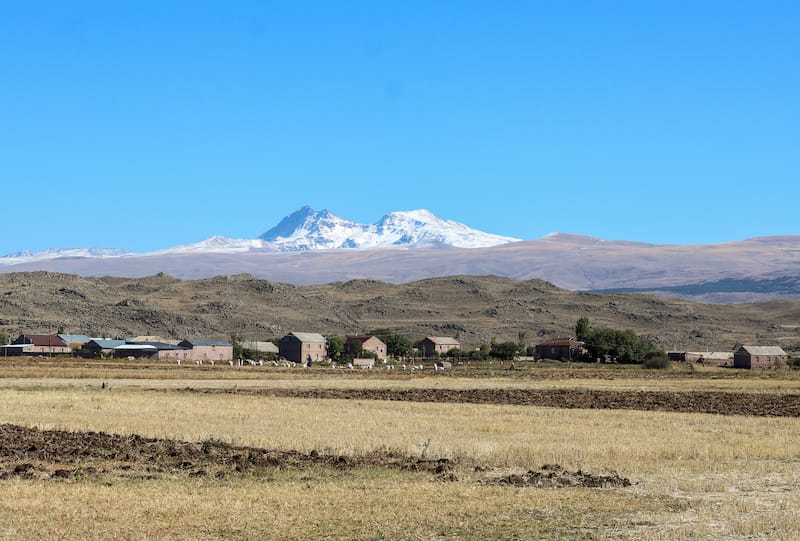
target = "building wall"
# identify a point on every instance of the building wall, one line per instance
(47, 350)
(210, 353)
(554, 352)
(375, 345)
(429, 347)
(297, 351)
(371, 345)
(760, 362)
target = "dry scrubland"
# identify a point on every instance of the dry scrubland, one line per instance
(694, 476)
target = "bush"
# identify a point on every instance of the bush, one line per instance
(658, 360)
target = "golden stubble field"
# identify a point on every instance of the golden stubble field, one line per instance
(693, 476)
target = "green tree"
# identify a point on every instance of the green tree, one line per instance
(3, 338)
(624, 346)
(335, 347)
(236, 341)
(356, 349)
(397, 345)
(582, 328)
(503, 350)
(521, 342)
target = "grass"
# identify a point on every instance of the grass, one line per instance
(695, 476)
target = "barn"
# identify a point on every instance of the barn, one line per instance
(760, 357)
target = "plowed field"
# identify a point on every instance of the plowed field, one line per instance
(30, 453)
(722, 403)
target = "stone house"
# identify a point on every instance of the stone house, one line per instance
(41, 344)
(437, 344)
(300, 347)
(560, 349)
(760, 357)
(207, 350)
(369, 344)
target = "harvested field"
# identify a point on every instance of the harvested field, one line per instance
(31, 453)
(291, 455)
(722, 403)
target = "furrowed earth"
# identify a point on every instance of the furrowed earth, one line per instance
(721, 403)
(30, 453)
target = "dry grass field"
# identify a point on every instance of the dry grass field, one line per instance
(692, 475)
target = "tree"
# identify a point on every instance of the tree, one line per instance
(236, 341)
(335, 346)
(622, 345)
(582, 328)
(521, 342)
(397, 345)
(503, 350)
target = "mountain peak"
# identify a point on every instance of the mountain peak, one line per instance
(307, 229)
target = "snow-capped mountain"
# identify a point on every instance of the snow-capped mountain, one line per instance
(216, 244)
(56, 253)
(307, 229)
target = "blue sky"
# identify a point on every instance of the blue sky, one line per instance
(143, 125)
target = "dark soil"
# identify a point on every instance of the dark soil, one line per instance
(554, 476)
(722, 403)
(30, 453)
(34, 453)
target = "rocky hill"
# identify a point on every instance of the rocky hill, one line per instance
(747, 271)
(474, 309)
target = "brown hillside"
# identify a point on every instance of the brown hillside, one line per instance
(473, 308)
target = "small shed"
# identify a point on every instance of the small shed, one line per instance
(760, 357)
(364, 363)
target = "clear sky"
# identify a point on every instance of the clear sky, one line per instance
(143, 125)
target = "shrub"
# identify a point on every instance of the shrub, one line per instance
(657, 360)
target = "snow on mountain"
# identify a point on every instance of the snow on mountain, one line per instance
(60, 253)
(307, 229)
(216, 244)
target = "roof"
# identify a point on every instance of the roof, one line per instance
(710, 355)
(362, 338)
(561, 342)
(442, 340)
(200, 342)
(104, 343)
(135, 347)
(307, 337)
(49, 340)
(763, 350)
(152, 338)
(263, 347)
(157, 345)
(74, 338)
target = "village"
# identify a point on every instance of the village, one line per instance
(355, 351)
